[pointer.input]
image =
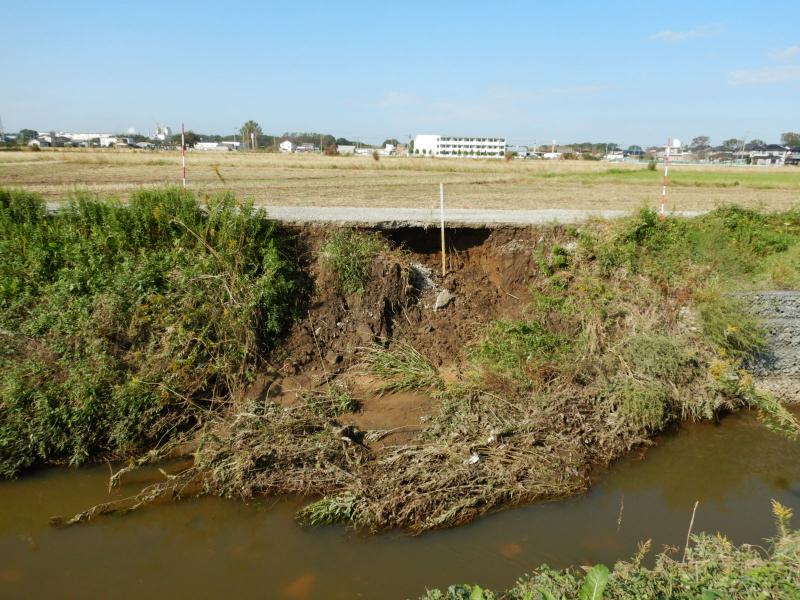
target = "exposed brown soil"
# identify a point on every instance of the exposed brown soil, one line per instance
(488, 275)
(489, 271)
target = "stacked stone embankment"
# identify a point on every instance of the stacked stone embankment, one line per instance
(778, 368)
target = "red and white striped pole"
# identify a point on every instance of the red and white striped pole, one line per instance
(183, 154)
(663, 212)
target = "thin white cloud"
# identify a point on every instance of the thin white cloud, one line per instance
(765, 75)
(787, 53)
(674, 37)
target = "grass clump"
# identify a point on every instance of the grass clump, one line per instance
(712, 568)
(329, 511)
(403, 368)
(517, 349)
(121, 324)
(350, 254)
(335, 400)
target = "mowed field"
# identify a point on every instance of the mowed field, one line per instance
(314, 180)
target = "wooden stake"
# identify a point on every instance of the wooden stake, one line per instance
(441, 220)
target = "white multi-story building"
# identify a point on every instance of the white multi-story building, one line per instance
(475, 147)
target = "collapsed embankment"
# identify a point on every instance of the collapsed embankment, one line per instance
(339, 363)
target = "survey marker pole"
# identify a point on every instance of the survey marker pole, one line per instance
(441, 226)
(663, 212)
(183, 154)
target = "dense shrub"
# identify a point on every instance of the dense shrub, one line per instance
(112, 317)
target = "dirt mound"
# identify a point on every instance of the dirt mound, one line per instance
(488, 276)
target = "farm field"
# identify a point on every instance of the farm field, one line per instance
(313, 180)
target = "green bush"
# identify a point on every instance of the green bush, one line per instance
(120, 323)
(350, 254)
(517, 348)
(659, 357)
(729, 325)
(640, 407)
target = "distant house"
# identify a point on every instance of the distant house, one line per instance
(793, 158)
(616, 155)
(769, 154)
(720, 154)
(232, 145)
(211, 147)
(306, 148)
(518, 151)
(342, 149)
(388, 150)
(676, 155)
(287, 146)
(39, 142)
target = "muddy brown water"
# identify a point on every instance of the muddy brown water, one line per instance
(218, 548)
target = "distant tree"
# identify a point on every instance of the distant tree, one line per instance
(791, 138)
(700, 142)
(251, 127)
(756, 142)
(732, 144)
(635, 150)
(331, 150)
(28, 134)
(391, 141)
(375, 156)
(190, 137)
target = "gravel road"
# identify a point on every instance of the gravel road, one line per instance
(391, 218)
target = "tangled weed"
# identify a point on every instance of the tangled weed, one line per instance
(403, 368)
(329, 511)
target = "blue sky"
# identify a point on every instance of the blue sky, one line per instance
(633, 72)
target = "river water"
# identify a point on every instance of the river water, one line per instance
(217, 548)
